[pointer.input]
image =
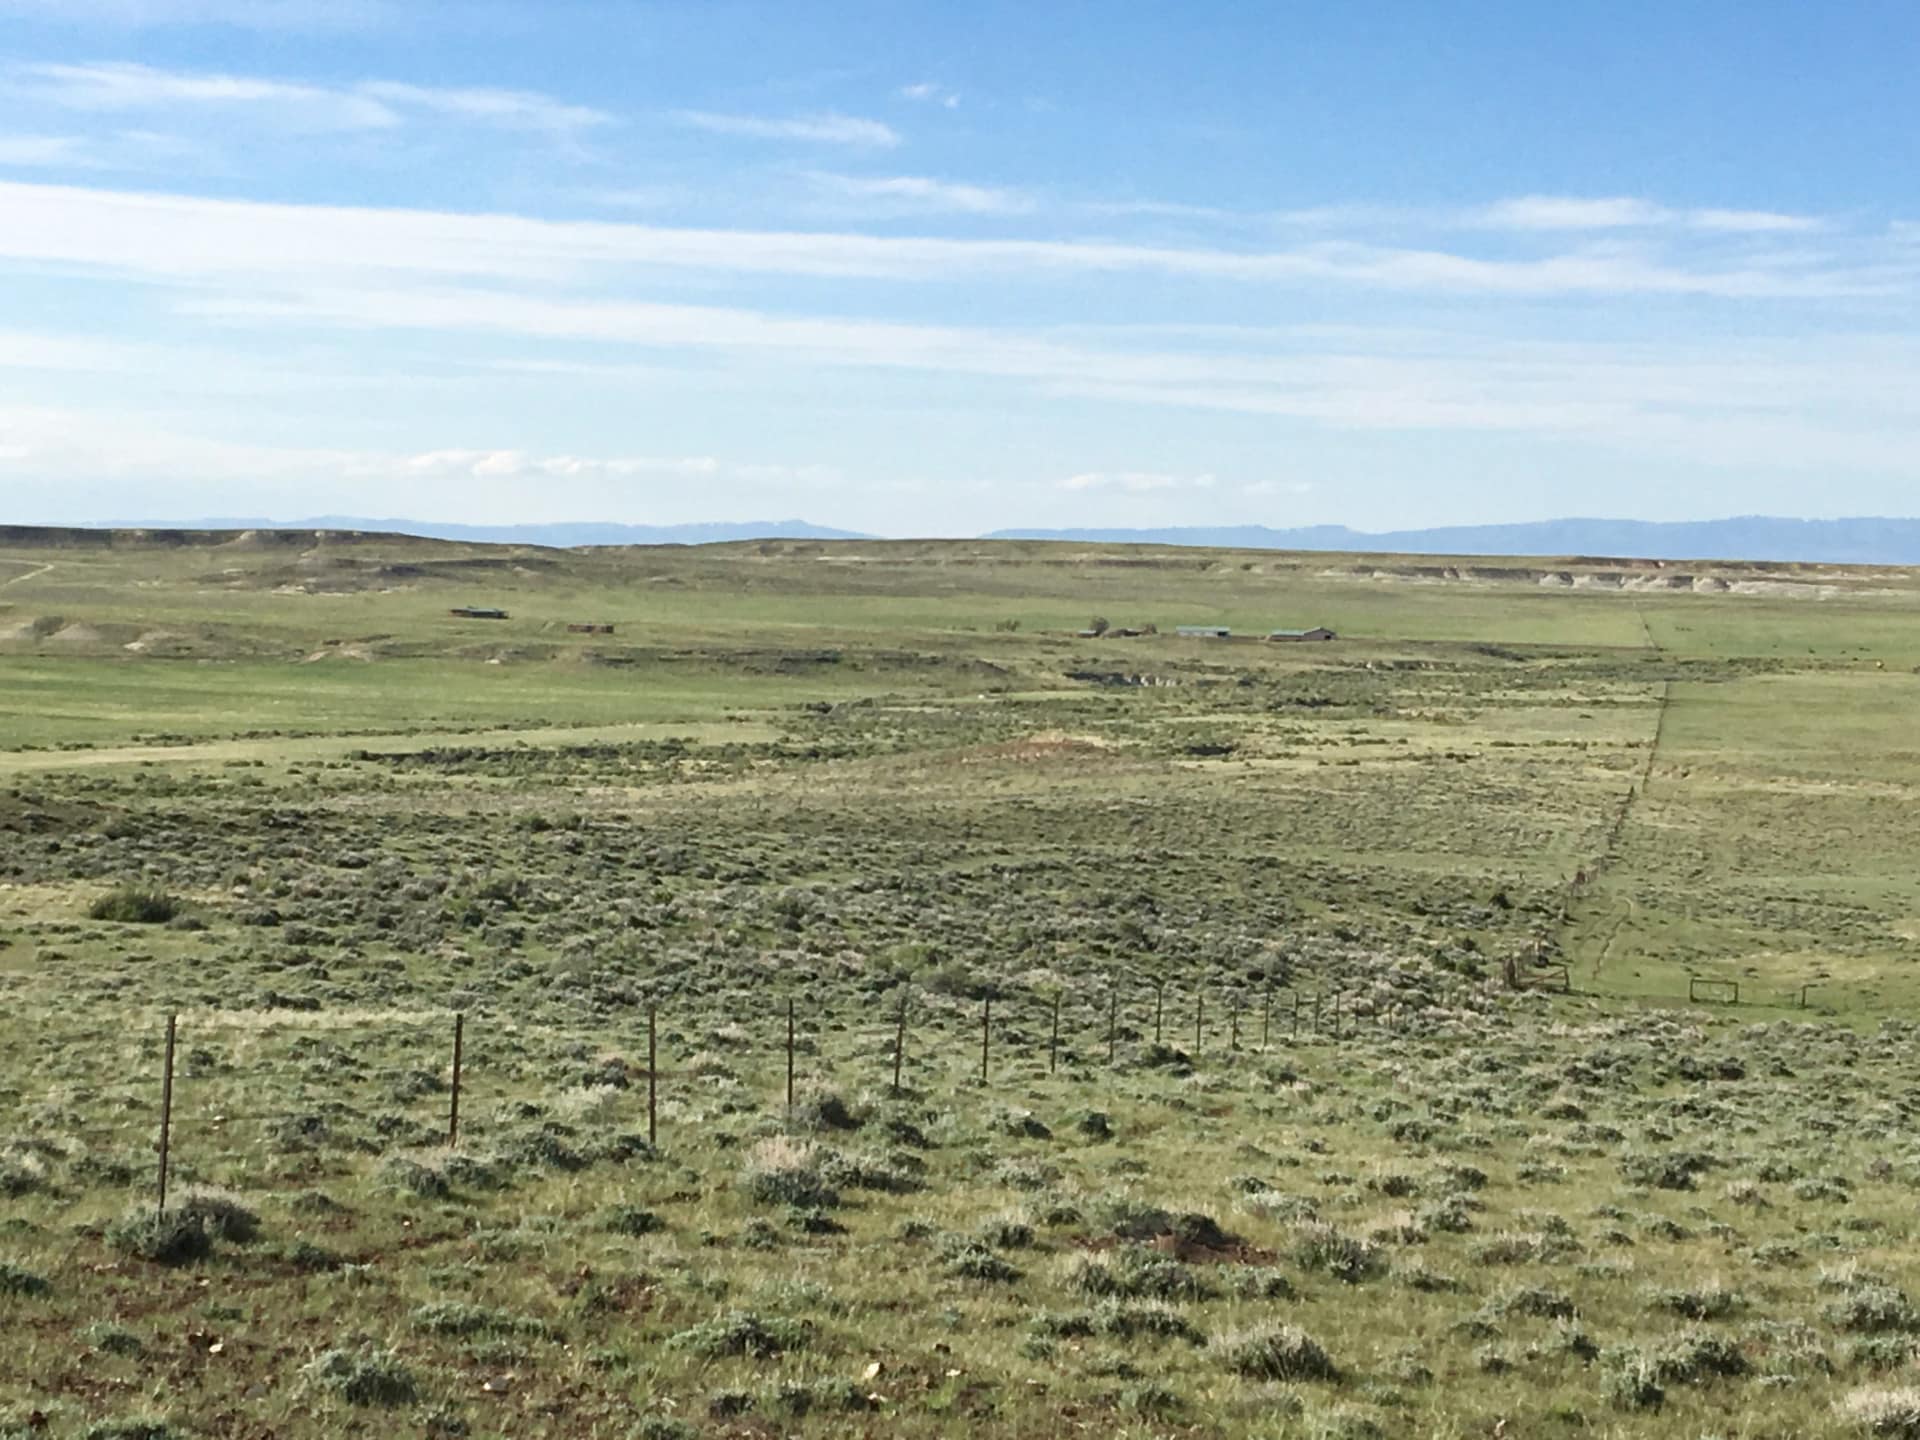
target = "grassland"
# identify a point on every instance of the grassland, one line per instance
(870, 780)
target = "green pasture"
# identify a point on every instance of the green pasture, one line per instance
(1239, 1093)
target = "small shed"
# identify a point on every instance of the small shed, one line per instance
(477, 612)
(1203, 632)
(1319, 632)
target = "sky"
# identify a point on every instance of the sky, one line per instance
(931, 268)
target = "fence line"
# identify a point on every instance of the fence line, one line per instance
(1324, 1015)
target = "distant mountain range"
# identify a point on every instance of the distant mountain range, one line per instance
(1863, 541)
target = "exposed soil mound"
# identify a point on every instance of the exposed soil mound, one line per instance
(76, 635)
(1051, 746)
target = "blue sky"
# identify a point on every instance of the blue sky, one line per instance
(923, 268)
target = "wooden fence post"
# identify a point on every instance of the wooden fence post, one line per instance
(1233, 1025)
(453, 1105)
(986, 1031)
(899, 1041)
(1266, 1019)
(653, 1076)
(166, 1109)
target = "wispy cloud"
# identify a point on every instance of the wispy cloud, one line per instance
(1751, 222)
(523, 465)
(175, 235)
(929, 92)
(63, 151)
(577, 295)
(51, 441)
(1619, 212)
(119, 86)
(122, 86)
(1135, 482)
(922, 193)
(242, 14)
(820, 129)
(511, 109)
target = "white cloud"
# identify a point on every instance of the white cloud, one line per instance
(63, 151)
(78, 445)
(111, 87)
(124, 86)
(174, 235)
(246, 14)
(1561, 212)
(510, 109)
(1570, 212)
(930, 93)
(1752, 222)
(919, 192)
(821, 129)
(1165, 210)
(570, 298)
(518, 464)
(1135, 482)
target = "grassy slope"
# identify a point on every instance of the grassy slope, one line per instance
(879, 792)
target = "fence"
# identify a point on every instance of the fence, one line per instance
(1045, 1029)
(1324, 1013)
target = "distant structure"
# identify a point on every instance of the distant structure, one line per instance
(1319, 632)
(591, 628)
(1203, 632)
(477, 612)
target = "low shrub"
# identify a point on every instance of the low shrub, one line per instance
(19, 1281)
(740, 1332)
(1275, 1352)
(631, 1220)
(1318, 1246)
(1134, 1272)
(134, 905)
(364, 1375)
(164, 1237)
(1892, 1411)
(784, 1172)
(221, 1214)
(1873, 1308)
(970, 1260)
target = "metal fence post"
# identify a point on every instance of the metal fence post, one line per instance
(1053, 1044)
(789, 1059)
(653, 1076)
